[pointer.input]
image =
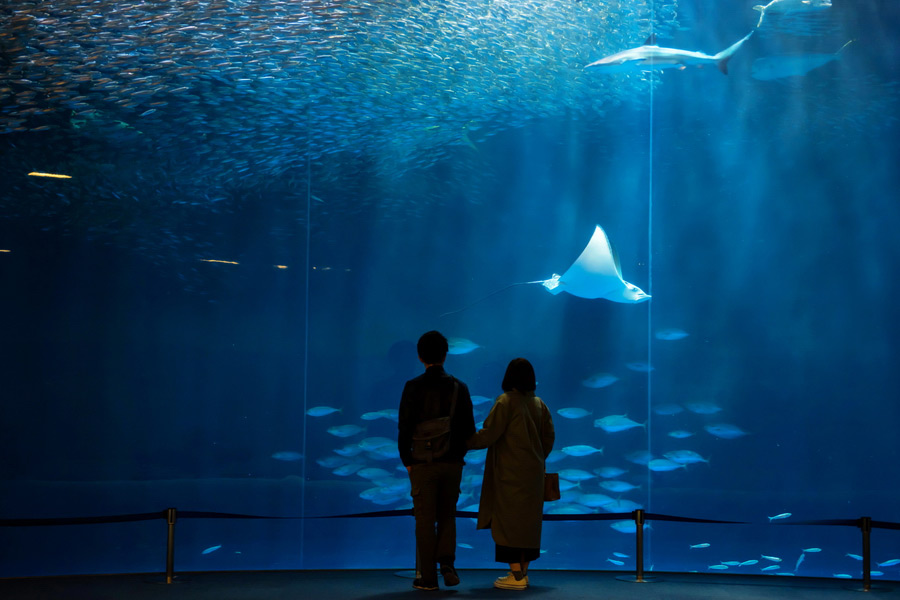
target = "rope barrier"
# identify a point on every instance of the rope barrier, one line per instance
(865, 524)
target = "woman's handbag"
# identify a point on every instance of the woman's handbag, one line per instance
(551, 487)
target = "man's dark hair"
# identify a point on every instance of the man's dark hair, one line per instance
(520, 376)
(432, 348)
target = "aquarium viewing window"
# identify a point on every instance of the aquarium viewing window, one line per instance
(224, 225)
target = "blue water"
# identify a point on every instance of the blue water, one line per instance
(760, 215)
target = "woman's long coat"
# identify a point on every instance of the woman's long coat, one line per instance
(519, 435)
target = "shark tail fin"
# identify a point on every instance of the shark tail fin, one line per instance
(725, 55)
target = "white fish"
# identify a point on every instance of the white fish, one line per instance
(889, 563)
(842, 576)
(461, 345)
(599, 380)
(680, 434)
(799, 561)
(628, 526)
(790, 6)
(211, 549)
(615, 562)
(287, 455)
(321, 411)
(581, 450)
(780, 66)
(703, 408)
(345, 430)
(725, 431)
(572, 413)
(818, 550)
(854, 556)
(747, 563)
(664, 464)
(671, 334)
(721, 567)
(771, 568)
(620, 555)
(609, 472)
(650, 56)
(615, 423)
(778, 517)
(576, 475)
(593, 500)
(348, 469)
(614, 485)
(685, 457)
(703, 545)
(770, 558)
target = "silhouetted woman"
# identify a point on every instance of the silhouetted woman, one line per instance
(518, 434)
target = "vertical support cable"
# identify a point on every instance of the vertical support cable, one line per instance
(650, 269)
(306, 272)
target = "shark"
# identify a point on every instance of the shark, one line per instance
(650, 56)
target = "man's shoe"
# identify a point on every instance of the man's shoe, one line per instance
(451, 577)
(510, 583)
(421, 584)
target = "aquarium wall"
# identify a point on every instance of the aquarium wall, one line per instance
(224, 225)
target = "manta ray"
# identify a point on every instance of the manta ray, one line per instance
(596, 273)
(650, 56)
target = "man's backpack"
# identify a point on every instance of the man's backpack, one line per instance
(431, 438)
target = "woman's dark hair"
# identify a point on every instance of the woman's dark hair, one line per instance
(520, 376)
(432, 348)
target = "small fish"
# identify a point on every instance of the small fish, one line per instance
(615, 562)
(345, 430)
(671, 334)
(778, 517)
(211, 549)
(731, 563)
(817, 550)
(721, 567)
(287, 455)
(581, 450)
(461, 346)
(627, 526)
(609, 472)
(576, 475)
(615, 423)
(680, 434)
(703, 545)
(617, 486)
(640, 367)
(620, 555)
(747, 563)
(685, 457)
(664, 464)
(799, 561)
(465, 545)
(593, 500)
(725, 431)
(572, 413)
(321, 411)
(770, 558)
(889, 563)
(771, 568)
(599, 380)
(854, 556)
(842, 576)
(702, 408)
(668, 409)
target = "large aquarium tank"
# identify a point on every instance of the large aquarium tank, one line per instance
(225, 223)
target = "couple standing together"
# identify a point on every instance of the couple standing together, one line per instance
(518, 434)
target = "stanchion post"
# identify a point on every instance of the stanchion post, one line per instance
(639, 545)
(170, 545)
(865, 524)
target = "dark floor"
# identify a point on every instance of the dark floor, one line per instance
(476, 584)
